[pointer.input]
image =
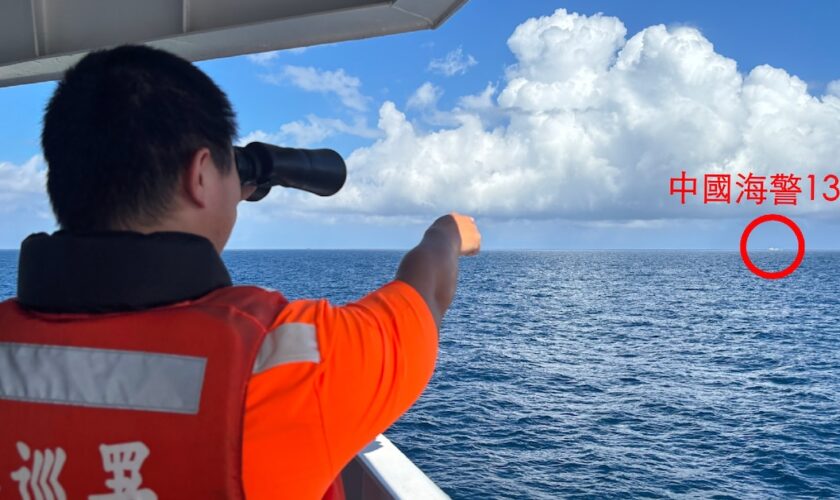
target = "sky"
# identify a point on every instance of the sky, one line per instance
(556, 124)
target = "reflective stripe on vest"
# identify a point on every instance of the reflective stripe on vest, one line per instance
(103, 378)
(288, 343)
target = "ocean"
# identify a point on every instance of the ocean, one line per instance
(645, 374)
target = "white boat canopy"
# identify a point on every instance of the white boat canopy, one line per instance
(39, 39)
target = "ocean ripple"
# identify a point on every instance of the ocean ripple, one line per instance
(609, 374)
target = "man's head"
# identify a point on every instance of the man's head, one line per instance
(137, 138)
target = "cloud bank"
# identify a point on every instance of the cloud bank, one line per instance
(591, 125)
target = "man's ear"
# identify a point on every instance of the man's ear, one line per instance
(195, 178)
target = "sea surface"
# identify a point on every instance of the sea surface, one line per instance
(609, 374)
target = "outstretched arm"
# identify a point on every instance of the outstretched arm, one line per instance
(375, 357)
(431, 267)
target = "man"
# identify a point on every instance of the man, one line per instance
(127, 337)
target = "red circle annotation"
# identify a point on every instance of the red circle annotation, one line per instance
(800, 247)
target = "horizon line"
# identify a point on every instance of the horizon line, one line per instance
(392, 249)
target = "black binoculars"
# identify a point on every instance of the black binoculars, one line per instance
(319, 171)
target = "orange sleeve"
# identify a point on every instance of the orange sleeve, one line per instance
(378, 355)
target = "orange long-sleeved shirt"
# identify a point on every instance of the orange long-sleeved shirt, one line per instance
(305, 420)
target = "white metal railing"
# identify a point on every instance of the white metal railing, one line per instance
(381, 471)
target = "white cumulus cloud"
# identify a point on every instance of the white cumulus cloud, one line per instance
(337, 82)
(23, 188)
(425, 96)
(590, 125)
(314, 129)
(480, 101)
(454, 63)
(833, 88)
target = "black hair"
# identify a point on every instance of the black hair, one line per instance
(119, 131)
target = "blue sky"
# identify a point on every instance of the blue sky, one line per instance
(550, 132)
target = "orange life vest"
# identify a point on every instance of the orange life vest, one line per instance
(147, 403)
